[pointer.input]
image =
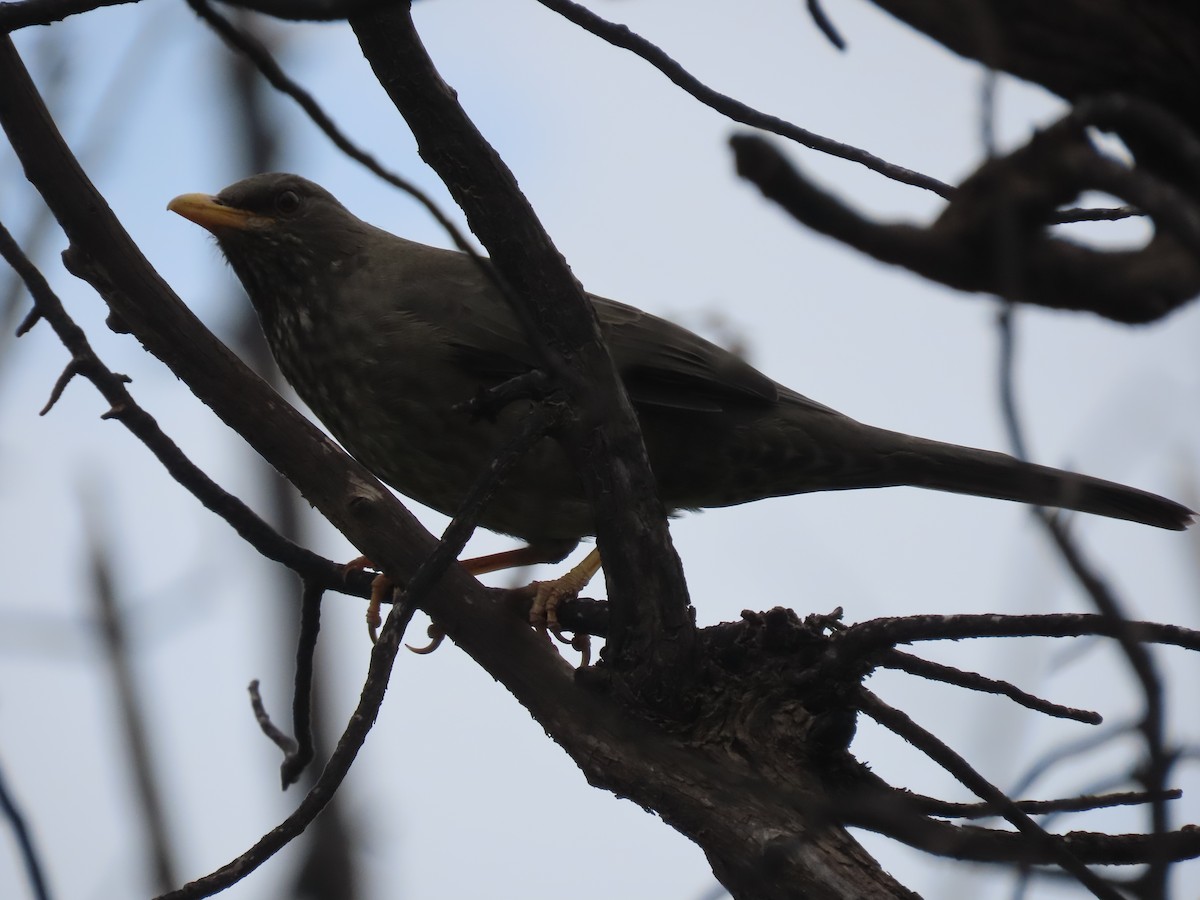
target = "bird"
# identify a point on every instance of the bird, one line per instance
(386, 339)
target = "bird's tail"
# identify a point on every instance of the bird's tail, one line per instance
(983, 473)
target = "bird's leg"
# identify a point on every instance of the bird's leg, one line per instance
(529, 555)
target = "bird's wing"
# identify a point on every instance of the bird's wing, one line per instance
(662, 364)
(666, 365)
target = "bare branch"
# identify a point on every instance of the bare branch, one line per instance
(272, 731)
(1082, 803)
(651, 614)
(1017, 194)
(975, 844)
(23, 13)
(142, 425)
(1074, 48)
(887, 631)
(35, 871)
(1153, 723)
(621, 36)
(254, 51)
(310, 10)
(68, 373)
(331, 777)
(260, 57)
(896, 721)
(895, 659)
(298, 751)
(129, 705)
(1069, 752)
(306, 648)
(383, 657)
(825, 24)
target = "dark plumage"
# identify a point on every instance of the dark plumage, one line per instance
(382, 337)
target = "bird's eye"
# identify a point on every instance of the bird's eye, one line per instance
(287, 202)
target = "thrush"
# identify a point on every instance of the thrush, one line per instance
(386, 339)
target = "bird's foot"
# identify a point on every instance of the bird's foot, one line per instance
(381, 587)
(547, 596)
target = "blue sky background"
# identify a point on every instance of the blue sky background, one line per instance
(458, 792)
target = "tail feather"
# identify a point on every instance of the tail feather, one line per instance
(983, 473)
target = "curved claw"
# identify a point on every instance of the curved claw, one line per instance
(436, 635)
(545, 616)
(581, 643)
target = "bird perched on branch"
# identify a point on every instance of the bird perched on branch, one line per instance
(383, 338)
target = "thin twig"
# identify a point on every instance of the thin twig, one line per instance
(277, 78)
(383, 657)
(1083, 803)
(1096, 214)
(273, 732)
(112, 387)
(148, 792)
(253, 50)
(34, 870)
(1069, 751)
(42, 12)
(892, 813)
(887, 631)
(302, 692)
(1153, 723)
(68, 374)
(651, 610)
(622, 36)
(378, 673)
(914, 665)
(825, 24)
(896, 721)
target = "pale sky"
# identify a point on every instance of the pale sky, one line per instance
(458, 791)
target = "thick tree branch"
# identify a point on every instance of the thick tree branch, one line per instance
(253, 50)
(991, 238)
(774, 847)
(310, 10)
(651, 615)
(1075, 48)
(143, 426)
(23, 13)
(754, 776)
(344, 491)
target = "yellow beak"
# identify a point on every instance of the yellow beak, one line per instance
(207, 212)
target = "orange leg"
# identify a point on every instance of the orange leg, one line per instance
(529, 555)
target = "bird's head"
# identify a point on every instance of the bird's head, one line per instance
(276, 229)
